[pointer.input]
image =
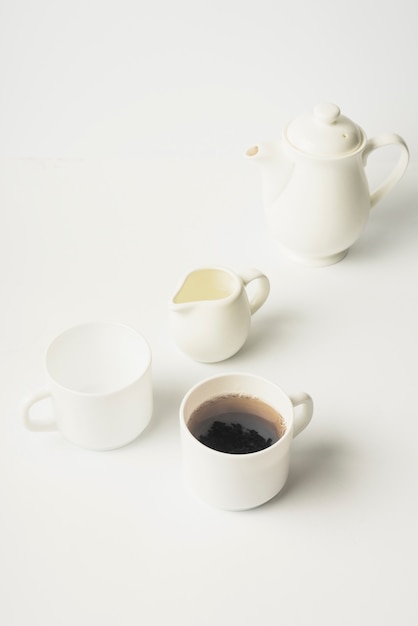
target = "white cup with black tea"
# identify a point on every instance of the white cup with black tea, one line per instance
(236, 433)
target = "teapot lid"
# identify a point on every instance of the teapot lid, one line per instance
(325, 132)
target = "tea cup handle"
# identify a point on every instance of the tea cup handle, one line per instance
(304, 415)
(29, 423)
(395, 175)
(262, 287)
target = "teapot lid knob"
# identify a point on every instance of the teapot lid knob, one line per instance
(324, 133)
(327, 112)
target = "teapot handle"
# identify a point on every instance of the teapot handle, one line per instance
(379, 142)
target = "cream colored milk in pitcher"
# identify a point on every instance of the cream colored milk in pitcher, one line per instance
(210, 313)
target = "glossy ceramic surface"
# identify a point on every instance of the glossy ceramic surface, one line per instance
(99, 380)
(210, 313)
(315, 188)
(240, 481)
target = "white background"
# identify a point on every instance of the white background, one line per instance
(122, 132)
(130, 78)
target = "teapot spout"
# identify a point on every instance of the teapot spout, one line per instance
(276, 169)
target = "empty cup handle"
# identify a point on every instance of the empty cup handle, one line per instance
(304, 414)
(262, 287)
(30, 424)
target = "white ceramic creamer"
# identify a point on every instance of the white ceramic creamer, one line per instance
(315, 189)
(210, 313)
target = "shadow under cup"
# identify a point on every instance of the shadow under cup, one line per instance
(99, 379)
(240, 481)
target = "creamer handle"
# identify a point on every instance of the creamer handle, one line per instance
(395, 175)
(261, 287)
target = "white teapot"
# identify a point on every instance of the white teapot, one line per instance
(315, 189)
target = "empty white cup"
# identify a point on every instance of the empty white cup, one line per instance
(99, 379)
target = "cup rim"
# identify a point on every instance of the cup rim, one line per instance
(75, 327)
(239, 457)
